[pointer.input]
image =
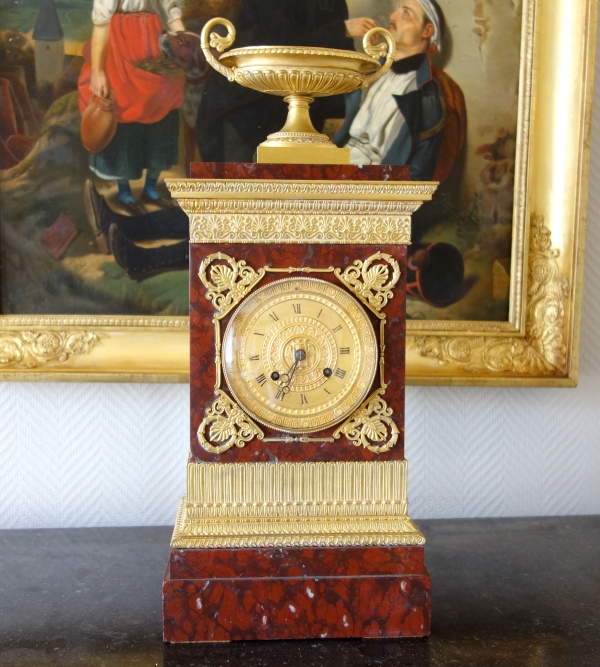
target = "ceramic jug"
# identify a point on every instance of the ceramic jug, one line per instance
(98, 123)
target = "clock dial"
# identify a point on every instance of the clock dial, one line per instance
(300, 354)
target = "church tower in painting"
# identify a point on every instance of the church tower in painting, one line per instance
(48, 39)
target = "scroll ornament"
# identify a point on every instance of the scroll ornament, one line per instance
(32, 349)
(370, 280)
(229, 283)
(227, 425)
(542, 350)
(370, 425)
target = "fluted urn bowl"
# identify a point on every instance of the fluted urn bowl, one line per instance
(299, 74)
(281, 70)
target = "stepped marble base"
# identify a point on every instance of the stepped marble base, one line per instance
(335, 592)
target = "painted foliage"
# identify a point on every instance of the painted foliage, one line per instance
(71, 245)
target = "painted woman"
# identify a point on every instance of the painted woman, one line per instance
(125, 35)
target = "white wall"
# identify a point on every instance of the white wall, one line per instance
(108, 455)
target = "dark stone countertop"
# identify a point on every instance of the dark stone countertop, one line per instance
(506, 593)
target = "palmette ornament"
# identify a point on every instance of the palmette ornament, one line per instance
(299, 74)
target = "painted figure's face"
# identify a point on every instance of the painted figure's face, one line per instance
(409, 26)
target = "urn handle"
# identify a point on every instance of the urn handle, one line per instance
(387, 51)
(213, 40)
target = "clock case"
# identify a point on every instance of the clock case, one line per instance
(272, 539)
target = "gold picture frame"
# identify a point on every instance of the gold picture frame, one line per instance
(539, 343)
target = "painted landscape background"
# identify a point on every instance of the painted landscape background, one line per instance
(44, 167)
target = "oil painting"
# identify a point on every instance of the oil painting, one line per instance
(103, 99)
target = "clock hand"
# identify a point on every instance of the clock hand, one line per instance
(286, 377)
(299, 355)
(284, 386)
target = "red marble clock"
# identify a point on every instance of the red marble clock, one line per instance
(295, 523)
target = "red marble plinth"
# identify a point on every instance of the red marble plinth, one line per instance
(309, 172)
(335, 592)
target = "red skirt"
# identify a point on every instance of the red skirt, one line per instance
(141, 96)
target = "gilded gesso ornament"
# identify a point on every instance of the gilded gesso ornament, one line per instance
(370, 425)
(228, 285)
(228, 426)
(542, 350)
(370, 280)
(32, 349)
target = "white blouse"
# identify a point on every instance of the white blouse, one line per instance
(379, 120)
(168, 10)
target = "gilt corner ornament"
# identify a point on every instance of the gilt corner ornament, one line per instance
(542, 350)
(370, 425)
(228, 426)
(370, 280)
(229, 283)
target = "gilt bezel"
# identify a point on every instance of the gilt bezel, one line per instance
(367, 326)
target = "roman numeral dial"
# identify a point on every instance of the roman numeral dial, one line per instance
(299, 354)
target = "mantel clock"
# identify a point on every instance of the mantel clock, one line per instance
(296, 481)
(295, 520)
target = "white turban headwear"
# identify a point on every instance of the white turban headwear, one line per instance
(433, 16)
